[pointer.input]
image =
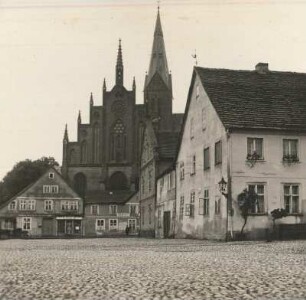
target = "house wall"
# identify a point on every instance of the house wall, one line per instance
(39, 214)
(272, 172)
(165, 202)
(207, 130)
(122, 216)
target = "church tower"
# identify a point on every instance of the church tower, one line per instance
(158, 83)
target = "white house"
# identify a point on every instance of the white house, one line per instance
(248, 127)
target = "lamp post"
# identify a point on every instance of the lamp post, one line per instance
(223, 190)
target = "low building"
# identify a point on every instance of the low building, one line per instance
(109, 214)
(165, 213)
(46, 208)
(248, 127)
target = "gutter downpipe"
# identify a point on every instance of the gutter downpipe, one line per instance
(229, 188)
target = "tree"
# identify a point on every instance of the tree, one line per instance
(278, 213)
(246, 201)
(23, 173)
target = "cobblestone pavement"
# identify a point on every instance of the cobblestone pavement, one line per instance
(151, 269)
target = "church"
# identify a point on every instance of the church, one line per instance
(103, 165)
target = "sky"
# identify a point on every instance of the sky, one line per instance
(54, 53)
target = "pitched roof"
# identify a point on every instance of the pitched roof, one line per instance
(167, 144)
(28, 187)
(250, 99)
(107, 197)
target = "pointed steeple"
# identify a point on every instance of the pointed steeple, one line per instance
(66, 139)
(104, 85)
(134, 84)
(79, 118)
(158, 62)
(91, 100)
(119, 66)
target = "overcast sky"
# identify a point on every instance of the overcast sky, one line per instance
(53, 53)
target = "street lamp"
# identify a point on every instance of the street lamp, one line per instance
(223, 190)
(223, 187)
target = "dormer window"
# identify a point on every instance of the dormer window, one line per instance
(51, 175)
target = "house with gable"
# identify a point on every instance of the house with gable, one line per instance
(249, 128)
(48, 207)
(158, 153)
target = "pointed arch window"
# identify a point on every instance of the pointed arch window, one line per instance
(96, 142)
(84, 152)
(118, 142)
(72, 157)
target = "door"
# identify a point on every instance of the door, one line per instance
(166, 224)
(132, 225)
(47, 227)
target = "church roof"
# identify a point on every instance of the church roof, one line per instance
(251, 99)
(158, 62)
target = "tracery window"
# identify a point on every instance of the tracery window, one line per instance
(118, 142)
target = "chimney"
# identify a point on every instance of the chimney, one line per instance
(262, 68)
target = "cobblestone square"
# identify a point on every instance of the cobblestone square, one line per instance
(131, 268)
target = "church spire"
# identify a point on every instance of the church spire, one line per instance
(158, 62)
(79, 118)
(119, 66)
(91, 100)
(66, 139)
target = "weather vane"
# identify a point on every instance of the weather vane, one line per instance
(158, 4)
(195, 57)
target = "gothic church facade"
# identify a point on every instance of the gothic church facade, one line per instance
(103, 165)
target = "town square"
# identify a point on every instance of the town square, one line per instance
(129, 268)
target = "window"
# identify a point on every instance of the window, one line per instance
(48, 205)
(150, 213)
(118, 142)
(69, 205)
(206, 202)
(290, 150)
(100, 224)
(84, 152)
(9, 224)
(291, 198)
(218, 153)
(197, 92)
(192, 200)
(206, 159)
(50, 189)
(133, 209)
(26, 223)
(26, 204)
(132, 224)
(193, 165)
(181, 207)
(150, 180)
(218, 205)
(12, 205)
(191, 129)
(113, 209)
(51, 175)
(113, 224)
(182, 171)
(94, 210)
(259, 206)
(203, 119)
(172, 180)
(159, 225)
(255, 149)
